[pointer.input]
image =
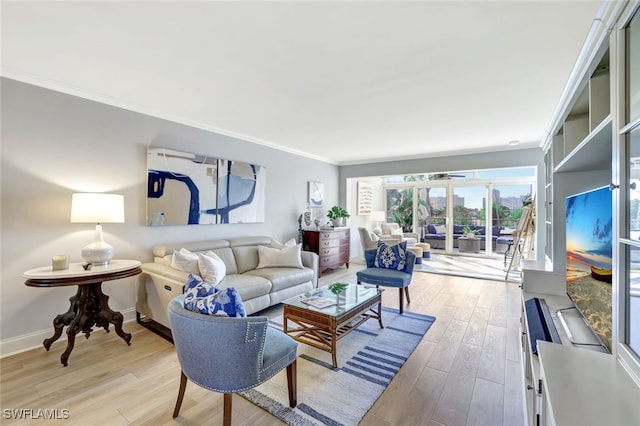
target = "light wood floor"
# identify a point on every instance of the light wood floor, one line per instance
(466, 370)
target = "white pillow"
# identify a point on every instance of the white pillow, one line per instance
(212, 268)
(441, 229)
(386, 229)
(397, 231)
(186, 261)
(279, 245)
(288, 257)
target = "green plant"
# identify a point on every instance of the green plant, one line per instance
(337, 288)
(336, 212)
(468, 230)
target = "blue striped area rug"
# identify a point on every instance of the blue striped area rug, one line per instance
(368, 359)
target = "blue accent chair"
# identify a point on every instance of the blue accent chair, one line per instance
(388, 277)
(229, 355)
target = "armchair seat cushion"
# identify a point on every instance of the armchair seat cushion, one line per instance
(280, 350)
(384, 277)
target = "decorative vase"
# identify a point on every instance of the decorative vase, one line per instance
(471, 235)
(306, 215)
(337, 222)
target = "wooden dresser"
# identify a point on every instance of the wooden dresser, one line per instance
(332, 246)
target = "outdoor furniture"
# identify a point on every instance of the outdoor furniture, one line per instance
(229, 354)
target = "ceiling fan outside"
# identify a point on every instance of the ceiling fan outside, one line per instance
(445, 176)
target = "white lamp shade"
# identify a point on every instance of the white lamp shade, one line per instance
(97, 208)
(377, 216)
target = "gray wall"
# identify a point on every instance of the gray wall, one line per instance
(55, 144)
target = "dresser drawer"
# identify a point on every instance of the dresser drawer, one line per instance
(333, 260)
(336, 242)
(329, 251)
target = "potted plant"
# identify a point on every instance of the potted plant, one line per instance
(336, 215)
(338, 289)
(468, 232)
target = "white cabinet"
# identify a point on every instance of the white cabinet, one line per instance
(576, 382)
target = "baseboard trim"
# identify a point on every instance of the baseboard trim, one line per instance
(26, 342)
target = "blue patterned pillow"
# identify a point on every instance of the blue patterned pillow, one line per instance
(391, 256)
(204, 298)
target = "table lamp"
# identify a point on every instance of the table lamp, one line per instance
(97, 208)
(376, 217)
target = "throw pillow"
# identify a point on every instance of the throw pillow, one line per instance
(212, 268)
(206, 299)
(397, 231)
(386, 228)
(278, 245)
(391, 256)
(288, 257)
(441, 229)
(186, 261)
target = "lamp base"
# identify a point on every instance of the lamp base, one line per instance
(97, 253)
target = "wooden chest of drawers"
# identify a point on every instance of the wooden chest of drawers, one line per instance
(332, 247)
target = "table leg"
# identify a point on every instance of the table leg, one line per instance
(380, 313)
(63, 320)
(78, 322)
(106, 316)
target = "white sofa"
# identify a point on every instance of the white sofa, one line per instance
(259, 288)
(391, 233)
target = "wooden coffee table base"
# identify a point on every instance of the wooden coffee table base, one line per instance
(323, 331)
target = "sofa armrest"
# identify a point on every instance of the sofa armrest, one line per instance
(412, 235)
(311, 260)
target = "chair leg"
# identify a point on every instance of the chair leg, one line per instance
(183, 386)
(401, 301)
(292, 382)
(406, 294)
(226, 420)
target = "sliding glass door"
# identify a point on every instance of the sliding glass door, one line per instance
(431, 219)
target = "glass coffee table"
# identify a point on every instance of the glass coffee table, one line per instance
(322, 327)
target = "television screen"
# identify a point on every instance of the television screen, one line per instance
(589, 258)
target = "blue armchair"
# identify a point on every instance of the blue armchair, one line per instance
(229, 355)
(388, 277)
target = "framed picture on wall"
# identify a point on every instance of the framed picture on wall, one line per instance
(365, 198)
(316, 195)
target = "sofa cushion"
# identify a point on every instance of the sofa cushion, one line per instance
(288, 257)
(431, 229)
(212, 268)
(204, 298)
(246, 258)
(282, 278)
(249, 286)
(391, 256)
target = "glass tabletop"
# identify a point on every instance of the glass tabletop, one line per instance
(323, 300)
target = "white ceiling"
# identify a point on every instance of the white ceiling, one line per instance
(345, 82)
